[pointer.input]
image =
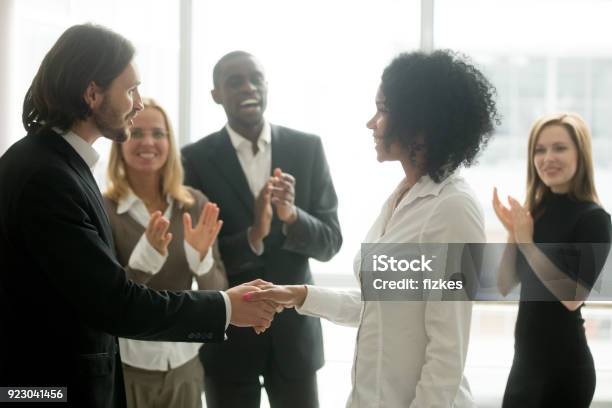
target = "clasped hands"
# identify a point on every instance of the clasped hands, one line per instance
(516, 219)
(278, 193)
(255, 303)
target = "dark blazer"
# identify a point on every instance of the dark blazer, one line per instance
(63, 295)
(294, 341)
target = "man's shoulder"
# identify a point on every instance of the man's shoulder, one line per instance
(31, 155)
(296, 135)
(204, 144)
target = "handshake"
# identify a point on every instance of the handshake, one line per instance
(255, 303)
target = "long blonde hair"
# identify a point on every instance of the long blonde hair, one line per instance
(582, 186)
(172, 172)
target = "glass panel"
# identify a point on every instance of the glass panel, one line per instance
(323, 62)
(539, 66)
(151, 25)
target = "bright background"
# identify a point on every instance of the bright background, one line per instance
(323, 61)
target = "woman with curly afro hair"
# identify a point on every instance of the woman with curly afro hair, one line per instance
(434, 113)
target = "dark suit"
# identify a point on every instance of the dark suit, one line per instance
(293, 344)
(63, 295)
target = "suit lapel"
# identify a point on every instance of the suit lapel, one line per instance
(76, 162)
(85, 173)
(225, 158)
(281, 152)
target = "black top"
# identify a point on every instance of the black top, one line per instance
(565, 230)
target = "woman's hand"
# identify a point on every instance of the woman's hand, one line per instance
(282, 295)
(503, 214)
(157, 233)
(522, 222)
(202, 236)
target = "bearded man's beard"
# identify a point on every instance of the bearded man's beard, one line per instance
(111, 124)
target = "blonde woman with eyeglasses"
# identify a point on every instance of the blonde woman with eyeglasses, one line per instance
(164, 235)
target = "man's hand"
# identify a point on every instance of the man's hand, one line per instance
(250, 314)
(283, 196)
(263, 216)
(284, 295)
(157, 233)
(206, 230)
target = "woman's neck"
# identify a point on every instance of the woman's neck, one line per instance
(412, 177)
(148, 188)
(412, 171)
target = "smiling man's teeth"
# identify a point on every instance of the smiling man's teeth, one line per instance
(249, 102)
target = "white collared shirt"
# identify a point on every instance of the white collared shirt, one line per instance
(146, 258)
(257, 168)
(410, 354)
(84, 149)
(157, 355)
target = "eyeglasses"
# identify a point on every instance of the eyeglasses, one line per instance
(138, 133)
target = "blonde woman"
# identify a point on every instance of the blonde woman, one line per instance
(164, 234)
(553, 366)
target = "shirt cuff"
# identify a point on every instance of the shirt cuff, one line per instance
(317, 301)
(228, 308)
(309, 300)
(257, 249)
(193, 259)
(145, 258)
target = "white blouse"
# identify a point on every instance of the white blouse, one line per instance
(157, 355)
(410, 354)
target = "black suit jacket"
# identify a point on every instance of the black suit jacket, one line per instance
(63, 295)
(295, 341)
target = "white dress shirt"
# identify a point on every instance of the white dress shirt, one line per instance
(157, 355)
(84, 149)
(146, 258)
(410, 354)
(257, 168)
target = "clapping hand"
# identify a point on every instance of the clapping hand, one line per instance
(157, 232)
(522, 222)
(503, 214)
(283, 196)
(263, 215)
(516, 219)
(202, 236)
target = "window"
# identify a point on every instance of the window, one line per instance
(323, 62)
(151, 25)
(543, 57)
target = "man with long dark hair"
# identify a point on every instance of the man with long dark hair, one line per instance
(63, 295)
